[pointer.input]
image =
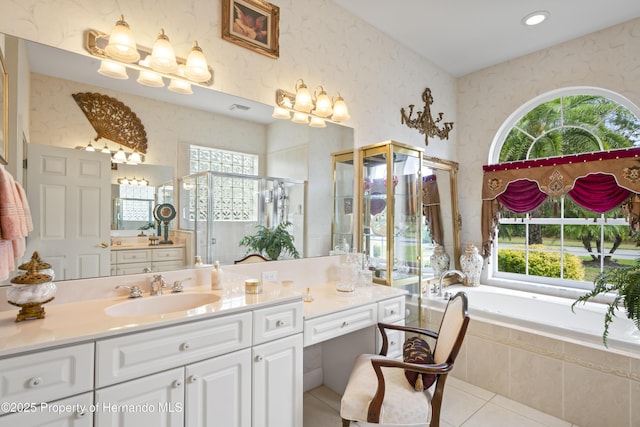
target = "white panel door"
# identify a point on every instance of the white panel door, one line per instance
(277, 383)
(218, 391)
(69, 192)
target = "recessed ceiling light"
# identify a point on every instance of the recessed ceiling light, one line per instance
(535, 18)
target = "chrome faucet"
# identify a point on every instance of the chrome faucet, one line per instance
(157, 283)
(445, 274)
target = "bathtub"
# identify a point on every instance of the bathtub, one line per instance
(549, 316)
(533, 349)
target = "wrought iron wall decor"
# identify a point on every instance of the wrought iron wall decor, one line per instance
(113, 120)
(424, 123)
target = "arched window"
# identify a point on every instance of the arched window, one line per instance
(561, 188)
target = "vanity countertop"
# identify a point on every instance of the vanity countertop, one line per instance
(326, 298)
(86, 320)
(129, 246)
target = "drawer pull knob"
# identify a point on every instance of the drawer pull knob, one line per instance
(81, 414)
(185, 346)
(35, 381)
(393, 343)
(279, 323)
(193, 378)
(392, 312)
(344, 324)
(259, 358)
(177, 384)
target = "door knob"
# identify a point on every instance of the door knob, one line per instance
(104, 245)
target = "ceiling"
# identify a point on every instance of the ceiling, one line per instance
(463, 36)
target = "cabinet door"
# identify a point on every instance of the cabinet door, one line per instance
(218, 391)
(277, 383)
(73, 412)
(156, 400)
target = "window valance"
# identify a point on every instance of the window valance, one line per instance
(596, 181)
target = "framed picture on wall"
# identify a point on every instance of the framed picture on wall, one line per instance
(4, 116)
(253, 24)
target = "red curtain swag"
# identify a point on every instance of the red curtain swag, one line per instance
(596, 181)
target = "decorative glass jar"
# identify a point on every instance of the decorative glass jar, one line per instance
(439, 260)
(31, 290)
(471, 263)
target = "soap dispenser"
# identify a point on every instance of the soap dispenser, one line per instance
(216, 276)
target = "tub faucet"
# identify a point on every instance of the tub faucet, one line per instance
(445, 274)
(157, 283)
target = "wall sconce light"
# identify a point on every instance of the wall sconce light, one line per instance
(135, 182)
(313, 110)
(118, 53)
(425, 123)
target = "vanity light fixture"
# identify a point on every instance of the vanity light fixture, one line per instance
(313, 110)
(156, 64)
(122, 46)
(135, 182)
(119, 156)
(535, 18)
(90, 147)
(134, 158)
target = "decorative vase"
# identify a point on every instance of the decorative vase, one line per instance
(471, 263)
(439, 260)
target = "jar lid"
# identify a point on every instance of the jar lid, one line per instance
(37, 262)
(31, 278)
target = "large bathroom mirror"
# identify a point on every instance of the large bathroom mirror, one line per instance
(173, 123)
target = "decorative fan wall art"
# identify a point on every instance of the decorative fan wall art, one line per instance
(113, 120)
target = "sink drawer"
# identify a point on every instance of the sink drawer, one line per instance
(168, 254)
(322, 328)
(47, 375)
(391, 310)
(277, 322)
(135, 255)
(135, 355)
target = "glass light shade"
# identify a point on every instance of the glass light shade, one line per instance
(119, 156)
(281, 113)
(180, 86)
(149, 78)
(143, 182)
(121, 45)
(303, 99)
(299, 117)
(340, 111)
(89, 147)
(197, 68)
(134, 158)
(113, 70)
(317, 122)
(123, 181)
(163, 58)
(323, 105)
(105, 149)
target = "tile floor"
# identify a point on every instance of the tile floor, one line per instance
(464, 405)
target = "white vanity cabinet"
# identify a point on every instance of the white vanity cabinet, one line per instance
(277, 366)
(239, 370)
(391, 311)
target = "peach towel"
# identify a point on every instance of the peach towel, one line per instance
(15, 222)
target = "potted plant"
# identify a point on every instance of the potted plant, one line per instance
(624, 282)
(271, 242)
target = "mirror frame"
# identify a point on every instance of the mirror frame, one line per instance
(451, 167)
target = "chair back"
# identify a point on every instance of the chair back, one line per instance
(250, 259)
(452, 329)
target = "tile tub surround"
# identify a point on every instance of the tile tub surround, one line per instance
(574, 381)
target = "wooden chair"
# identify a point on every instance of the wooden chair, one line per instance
(250, 259)
(378, 391)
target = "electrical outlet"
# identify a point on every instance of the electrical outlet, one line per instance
(269, 276)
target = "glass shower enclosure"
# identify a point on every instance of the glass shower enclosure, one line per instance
(221, 208)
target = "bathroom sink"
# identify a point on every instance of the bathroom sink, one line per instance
(161, 304)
